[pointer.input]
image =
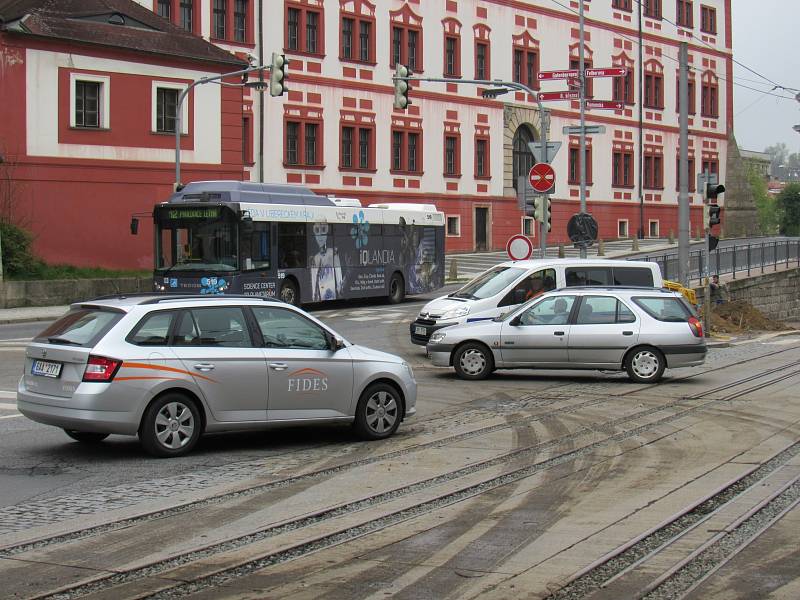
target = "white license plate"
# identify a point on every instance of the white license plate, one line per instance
(420, 330)
(46, 368)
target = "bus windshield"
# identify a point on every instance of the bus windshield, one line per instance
(192, 245)
(489, 283)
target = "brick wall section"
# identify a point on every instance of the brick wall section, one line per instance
(776, 294)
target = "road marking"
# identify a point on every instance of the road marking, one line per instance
(11, 416)
(4, 394)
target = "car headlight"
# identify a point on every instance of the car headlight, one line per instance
(454, 313)
(437, 337)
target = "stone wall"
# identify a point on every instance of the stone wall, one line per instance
(14, 294)
(739, 215)
(775, 294)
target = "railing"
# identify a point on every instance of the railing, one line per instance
(749, 259)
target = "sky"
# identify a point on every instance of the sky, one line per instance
(765, 38)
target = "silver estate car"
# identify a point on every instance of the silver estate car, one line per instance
(169, 368)
(640, 330)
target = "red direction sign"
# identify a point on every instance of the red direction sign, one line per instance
(542, 177)
(545, 96)
(519, 247)
(604, 105)
(555, 75)
(605, 72)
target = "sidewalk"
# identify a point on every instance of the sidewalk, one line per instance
(29, 314)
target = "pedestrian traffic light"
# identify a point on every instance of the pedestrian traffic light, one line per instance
(401, 86)
(277, 75)
(712, 242)
(714, 211)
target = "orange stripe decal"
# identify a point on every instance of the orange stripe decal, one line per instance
(135, 365)
(148, 378)
(307, 371)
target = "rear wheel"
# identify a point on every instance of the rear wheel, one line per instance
(87, 437)
(645, 365)
(289, 292)
(397, 289)
(473, 361)
(378, 412)
(171, 426)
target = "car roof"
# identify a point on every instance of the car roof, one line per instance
(588, 262)
(126, 302)
(620, 290)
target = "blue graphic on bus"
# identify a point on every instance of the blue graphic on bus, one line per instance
(360, 230)
(213, 285)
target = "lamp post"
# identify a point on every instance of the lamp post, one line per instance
(181, 97)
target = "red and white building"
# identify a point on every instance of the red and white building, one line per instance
(337, 132)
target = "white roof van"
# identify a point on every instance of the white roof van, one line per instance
(511, 283)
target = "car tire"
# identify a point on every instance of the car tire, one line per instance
(87, 437)
(397, 289)
(379, 412)
(170, 426)
(473, 361)
(645, 364)
(289, 293)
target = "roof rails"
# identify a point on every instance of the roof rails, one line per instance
(178, 297)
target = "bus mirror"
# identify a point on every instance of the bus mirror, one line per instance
(134, 226)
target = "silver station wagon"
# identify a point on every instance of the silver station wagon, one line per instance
(169, 368)
(641, 330)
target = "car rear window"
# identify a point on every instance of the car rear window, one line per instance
(633, 277)
(83, 326)
(664, 309)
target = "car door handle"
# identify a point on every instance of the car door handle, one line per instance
(558, 333)
(204, 367)
(627, 333)
(278, 366)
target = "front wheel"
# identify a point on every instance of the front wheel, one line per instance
(378, 413)
(397, 289)
(170, 427)
(645, 365)
(473, 361)
(87, 437)
(289, 293)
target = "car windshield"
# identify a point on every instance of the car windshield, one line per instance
(80, 327)
(199, 244)
(490, 283)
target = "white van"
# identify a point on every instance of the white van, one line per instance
(511, 283)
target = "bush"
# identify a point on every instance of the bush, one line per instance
(789, 206)
(18, 260)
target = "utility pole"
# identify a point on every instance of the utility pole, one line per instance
(582, 87)
(683, 174)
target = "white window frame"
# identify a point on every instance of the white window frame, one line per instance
(627, 229)
(533, 226)
(650, 228)
(104, 103)
(458, 220)
(170, 85)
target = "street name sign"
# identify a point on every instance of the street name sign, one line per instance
(519, 247)
(542, 177)
(605, 72)
(588, 129)
(545, 96)
(558, 75)
(541, 157)
(604, 105)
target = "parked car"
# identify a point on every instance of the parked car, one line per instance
(509, 284)
(639, 330)
(169, 368)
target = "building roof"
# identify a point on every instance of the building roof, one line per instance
(112, 23)
(753, 155)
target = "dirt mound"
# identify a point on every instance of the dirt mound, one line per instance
(739, 317)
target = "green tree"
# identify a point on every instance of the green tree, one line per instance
(789, 206)
(766, 206)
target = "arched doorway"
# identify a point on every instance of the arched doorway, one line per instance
(522, 157)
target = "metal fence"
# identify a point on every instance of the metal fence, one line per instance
(741, 259)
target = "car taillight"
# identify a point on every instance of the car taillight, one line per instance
(696, 326)
(100, 368)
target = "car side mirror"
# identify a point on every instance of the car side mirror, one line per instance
(335, 343)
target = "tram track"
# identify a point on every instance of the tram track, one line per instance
(392, 496)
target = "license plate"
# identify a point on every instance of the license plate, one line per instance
(46, 368)
(420, 330)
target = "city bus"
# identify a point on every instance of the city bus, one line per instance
(284, 241)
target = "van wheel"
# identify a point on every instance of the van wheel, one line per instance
(87, 437)
(397, 289)
(289, 292)
(378, 412)
(473, 361)
(645, 365)
(170, 426)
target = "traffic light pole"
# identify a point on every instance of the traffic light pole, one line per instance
(582, 100)
(683, 171)
(704, 278)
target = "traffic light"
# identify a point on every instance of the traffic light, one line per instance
(538, 208)
(401, 87)
(541, 210)
(277, 75)
(712, 242)
(714, 211)
(713, 190)
(547, 215)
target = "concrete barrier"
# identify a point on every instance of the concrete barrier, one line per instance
(16, 294)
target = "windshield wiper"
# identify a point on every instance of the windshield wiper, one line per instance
(60, 340)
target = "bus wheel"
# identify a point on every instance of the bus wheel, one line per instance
(289, 292)
(397, 289)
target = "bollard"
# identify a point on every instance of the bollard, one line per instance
(601, 248)
(453, 270)
(671, 237)
(635, 244)
(561, 252)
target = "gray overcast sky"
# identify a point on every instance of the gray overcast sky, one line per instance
(765, 38)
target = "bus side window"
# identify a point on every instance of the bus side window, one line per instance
(292, 248)
(255, 247)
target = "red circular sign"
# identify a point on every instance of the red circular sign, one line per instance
(519, 247)
(542, 177)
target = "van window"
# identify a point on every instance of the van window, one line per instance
(577, 276)
(633, 276)
(489, 283)
(536, 284)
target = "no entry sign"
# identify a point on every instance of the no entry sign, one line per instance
(542, 177)
(519, 247)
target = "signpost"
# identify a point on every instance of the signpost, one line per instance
(604, 105)
(567, 95)
(558, 75)
(544, 153)
(542, 178)
(519, 247)
(606, 72)
(588, 129)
